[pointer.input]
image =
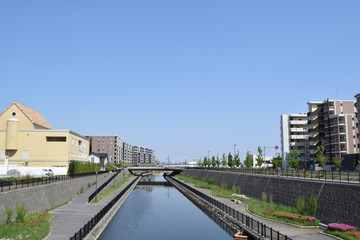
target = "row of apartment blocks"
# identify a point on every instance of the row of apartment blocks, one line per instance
(121, 151)
(334, 123)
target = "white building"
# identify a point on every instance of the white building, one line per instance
(294, 135)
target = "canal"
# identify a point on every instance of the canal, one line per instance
(162, 212)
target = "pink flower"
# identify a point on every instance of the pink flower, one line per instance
(341, 227)
(311, 219)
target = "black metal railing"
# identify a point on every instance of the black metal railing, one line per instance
(99, 189)
(332, 176)
(243, 219)
(23, 183)
(81, 234)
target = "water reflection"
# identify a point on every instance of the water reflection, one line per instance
(159, 212)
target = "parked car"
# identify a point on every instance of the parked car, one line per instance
(13, 172)
(47, 172)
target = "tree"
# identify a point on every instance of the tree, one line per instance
(259, 157)
(230, 160)
(223, 160)
(248, 160)
(277, 161)
(237, 160)
(205, 162)
(337, 162)
(217, 161)
(293, 158)
(320, 156)
(213, 161)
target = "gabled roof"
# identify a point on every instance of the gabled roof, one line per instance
(34, 116)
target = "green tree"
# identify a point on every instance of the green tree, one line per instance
(217, 161)
(259, 157)
(293, 158)
(213, 161)
(237, 161)
(223, 160)
(230, 160)
(277, 161)
(320, 156)
(248, 160)
(337, 162)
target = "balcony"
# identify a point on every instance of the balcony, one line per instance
(315, 121)
(297, 129)
(298, 122)
(298, 144)
(297, 137)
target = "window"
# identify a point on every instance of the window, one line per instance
(56, 139)
(13, 114)
(25, 154)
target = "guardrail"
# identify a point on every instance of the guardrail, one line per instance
(332, 176)
(23, 183)
(84, 231)
(98, 190)
(243, 219)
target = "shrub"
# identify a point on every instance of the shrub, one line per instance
(204, 179)
(236, 189)
(264, 197)
(300, 204)
(211, 180)
(224, 185)
(312, 205)
(21, 213)
(9, 215)
(77, 167)
(341, 227)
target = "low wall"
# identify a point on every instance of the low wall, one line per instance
(44, 197)
(336, 202)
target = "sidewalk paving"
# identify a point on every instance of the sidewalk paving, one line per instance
(71, 217)
(291, 231)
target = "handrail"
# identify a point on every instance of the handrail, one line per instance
(23, 183)
(98, 190)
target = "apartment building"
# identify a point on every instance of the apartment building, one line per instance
(143, 155)
(112, 145)
(357, 105)
(294, 135)
(334, 124)
(127, 153)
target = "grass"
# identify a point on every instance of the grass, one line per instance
(110, 190)
(258, 207)
(35, 227)
(348, 235)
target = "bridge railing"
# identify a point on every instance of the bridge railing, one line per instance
(86, 229)
(333, 176)
(243, 219)
(30, 182)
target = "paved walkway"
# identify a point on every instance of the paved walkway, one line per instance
(71, 217)
(293, 232)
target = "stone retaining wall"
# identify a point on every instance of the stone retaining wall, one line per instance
(337, 202)
(47, 196)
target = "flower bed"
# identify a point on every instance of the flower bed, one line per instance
(292, 216)
(343, 231)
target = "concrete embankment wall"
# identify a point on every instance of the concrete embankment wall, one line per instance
(47, 196)
(336, 202)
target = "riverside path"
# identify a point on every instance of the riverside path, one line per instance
(74, 215)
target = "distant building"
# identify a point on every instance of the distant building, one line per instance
(266, 163)
(357, 105)
(111, 145)
(143, 155)
(334, 124)
(294, 135)
(100, 158)
(28, 139)
(127, 153)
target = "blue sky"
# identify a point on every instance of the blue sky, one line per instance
(182, 77)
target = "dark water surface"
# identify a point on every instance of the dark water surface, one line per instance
(161, 213)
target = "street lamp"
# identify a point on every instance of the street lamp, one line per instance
(234, 150)
(208, 154)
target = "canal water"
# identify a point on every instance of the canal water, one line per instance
(161, 212)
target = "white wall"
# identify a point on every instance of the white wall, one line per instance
(31, 171)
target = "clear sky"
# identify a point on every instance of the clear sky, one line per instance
(181, 77)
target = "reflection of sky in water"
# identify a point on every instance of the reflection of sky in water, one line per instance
(163, 213)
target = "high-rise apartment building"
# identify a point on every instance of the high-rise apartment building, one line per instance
(334, 124)
(357, 105)
(294, 135)
(127, 153)
(112, 145)
(143, 155)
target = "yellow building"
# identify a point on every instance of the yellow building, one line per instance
(27, 139)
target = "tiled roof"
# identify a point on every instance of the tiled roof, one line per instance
(34, 116)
